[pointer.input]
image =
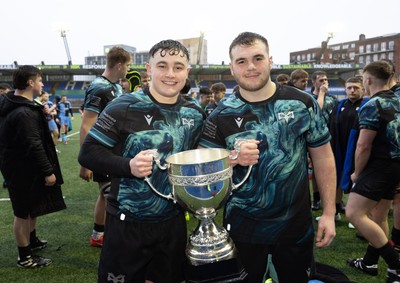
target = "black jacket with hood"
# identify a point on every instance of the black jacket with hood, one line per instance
(27, 154)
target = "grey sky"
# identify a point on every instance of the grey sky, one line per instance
(29, 29)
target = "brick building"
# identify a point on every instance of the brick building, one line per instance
(361, 51)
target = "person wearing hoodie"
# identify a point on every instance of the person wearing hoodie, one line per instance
(28, 160)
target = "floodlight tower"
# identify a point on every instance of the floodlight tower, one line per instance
(200, 47)
(324, 46)
(64, 36)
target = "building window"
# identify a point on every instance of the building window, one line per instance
(303, 57)
(383, 56)
(391, 45)
(298, 58)
(368, 48)
(383, 46)
(330, 55)
(361, 59)
(308, 57)
(343, 55)
(391, 56)
(353, 45)
(313, 56)
(352, 55)
(375, 57)
(345, 46)
(368, 59)
(376, 45)
(361, 49)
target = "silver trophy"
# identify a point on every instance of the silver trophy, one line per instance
(201, 182)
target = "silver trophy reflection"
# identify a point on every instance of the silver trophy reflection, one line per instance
(201, 183)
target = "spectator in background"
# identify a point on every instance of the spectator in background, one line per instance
(4, 88)
(343, 118)
(145, 79)
(50, 110)
(29, 162)
(395, 234)
(326, 102)
(65, 110)
(299, 79)
(100, 92)
(133, 79)
(218, 90)
(376, 171)
(282, 79)
(205, 96)
(126, 86)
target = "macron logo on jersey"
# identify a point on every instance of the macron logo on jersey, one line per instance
(188, 122)
(239, 121)
(286, 116)
(148, 118)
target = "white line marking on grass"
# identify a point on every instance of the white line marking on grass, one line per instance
(73, 134)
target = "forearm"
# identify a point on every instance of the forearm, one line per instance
(100, 159)
(325, 174)
(361, 159)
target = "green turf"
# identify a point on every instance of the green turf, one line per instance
(68, 234)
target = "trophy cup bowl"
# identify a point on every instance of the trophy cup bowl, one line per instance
(201, 182)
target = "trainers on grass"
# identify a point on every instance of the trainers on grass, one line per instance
(38, 244)
(33, 261)
(393, 276)
(359, 264)
(98, 243)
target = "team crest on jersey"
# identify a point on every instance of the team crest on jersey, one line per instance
(148, 119)
(286, 116)
(239, 121)
(115, 279)
(188, 122)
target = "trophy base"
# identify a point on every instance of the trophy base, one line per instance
(229, 270)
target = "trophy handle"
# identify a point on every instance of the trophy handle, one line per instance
(238, 143)
(156, 157)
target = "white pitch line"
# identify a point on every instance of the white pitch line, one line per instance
(73, 134)
(4, 199)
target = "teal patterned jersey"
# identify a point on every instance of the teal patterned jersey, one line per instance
(135, 122)
(99, 93)
(382, 114)
(273, 205)
(330, 102)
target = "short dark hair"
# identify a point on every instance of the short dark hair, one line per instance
(318, 73)
(381, 70)
(248, 39)
(218, 87)
(298, 74)
(282, 78)
(173, 47)
(357, 80)
(23, 74)
(205, 90)
(4, 86)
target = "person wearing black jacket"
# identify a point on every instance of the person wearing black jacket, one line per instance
(29, 162)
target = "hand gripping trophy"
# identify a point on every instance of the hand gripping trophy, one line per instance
(201, 183)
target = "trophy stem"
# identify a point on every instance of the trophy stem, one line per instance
(209, 243)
